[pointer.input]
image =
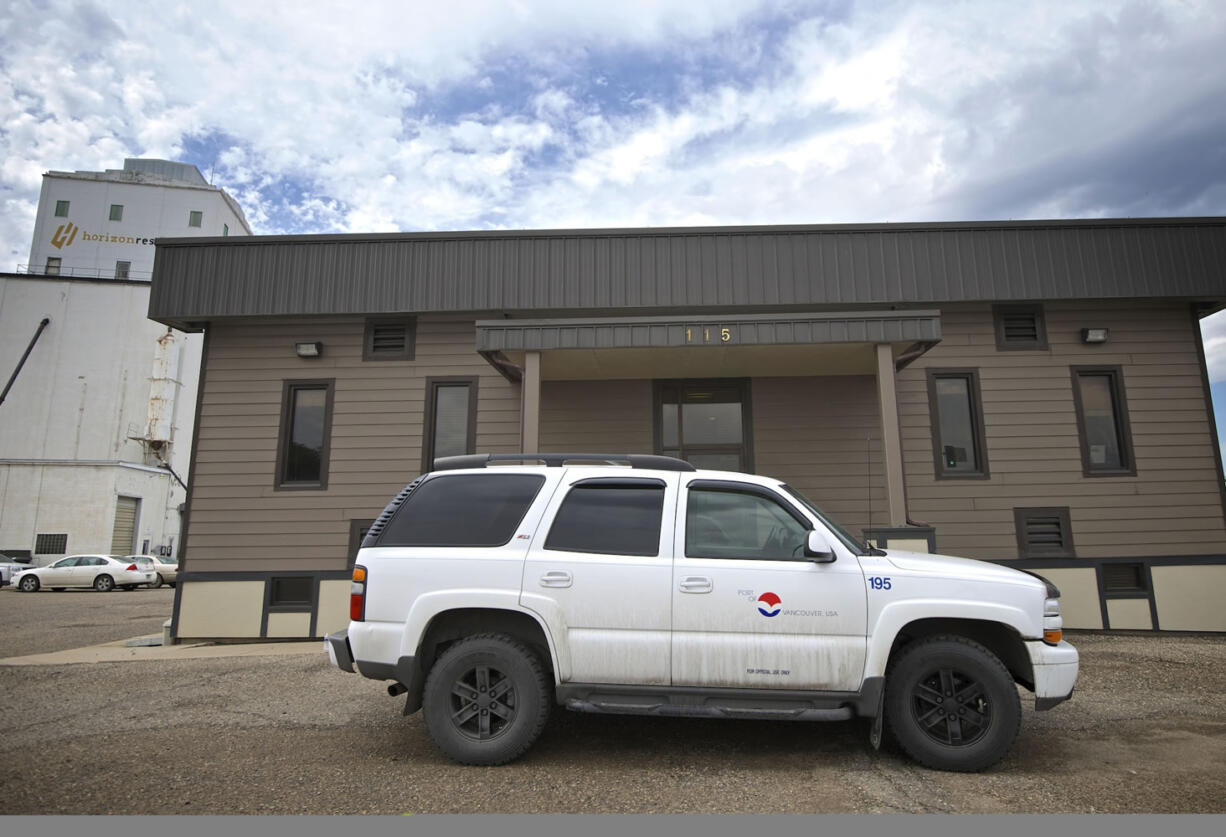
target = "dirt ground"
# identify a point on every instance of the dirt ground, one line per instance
(1144, 732)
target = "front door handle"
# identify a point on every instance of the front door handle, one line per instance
(696, 584)
(556, 578)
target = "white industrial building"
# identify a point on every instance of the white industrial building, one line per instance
(97, 414)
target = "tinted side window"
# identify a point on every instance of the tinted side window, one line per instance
(619, 518)
(463, 510)
(734, 524)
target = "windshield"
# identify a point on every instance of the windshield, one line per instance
(842, 534)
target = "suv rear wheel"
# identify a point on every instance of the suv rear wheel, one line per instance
(486, 700)
(951, 704)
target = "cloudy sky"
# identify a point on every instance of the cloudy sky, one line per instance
(372, 116)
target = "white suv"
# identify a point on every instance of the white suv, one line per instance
(490, 589)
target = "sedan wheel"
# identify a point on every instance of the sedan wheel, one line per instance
(104, 584)
(158, 582)
(29, 584)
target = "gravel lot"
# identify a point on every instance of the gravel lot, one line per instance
(1145, 732)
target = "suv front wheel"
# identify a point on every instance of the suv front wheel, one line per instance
(486, 700)
(951, 704)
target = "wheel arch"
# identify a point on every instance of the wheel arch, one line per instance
(447, 626)
(1001, 639)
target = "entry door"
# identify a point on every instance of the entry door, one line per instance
(123, 536)
(600, 575)
(748, 609)
(705, 422)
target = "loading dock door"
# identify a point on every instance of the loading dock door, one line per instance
(123, 536)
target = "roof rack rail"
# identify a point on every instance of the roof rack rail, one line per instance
(556, 460)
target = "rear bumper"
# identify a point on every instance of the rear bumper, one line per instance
(339, 652)
(1055, 672)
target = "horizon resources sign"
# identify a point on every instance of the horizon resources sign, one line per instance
(66, 234)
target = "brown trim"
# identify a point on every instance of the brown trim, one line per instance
(427, 425)
(410, 338)
(1204, 380)
(503, 366)
(288, 388)
(1040, 325)
(982, 471)
(1021, 515)
(745, 448)
(1120, 404)
(356, 525)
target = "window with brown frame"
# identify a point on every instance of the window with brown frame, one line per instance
(450, 424)
(291, 592)
(306, 430)
(1102, 422)
(705, 421)
(357, 533)
(389, 339)
(959, 442)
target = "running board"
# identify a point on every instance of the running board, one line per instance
(688, 702)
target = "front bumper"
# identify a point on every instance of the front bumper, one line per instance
(1055, 672)
(339, 652)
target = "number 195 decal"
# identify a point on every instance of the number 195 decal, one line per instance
(878, 582)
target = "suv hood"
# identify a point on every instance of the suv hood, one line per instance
(959, 567)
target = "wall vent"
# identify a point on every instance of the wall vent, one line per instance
(1044, 533)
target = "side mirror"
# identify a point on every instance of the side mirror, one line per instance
(818, 549)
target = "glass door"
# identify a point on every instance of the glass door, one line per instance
(705, 422)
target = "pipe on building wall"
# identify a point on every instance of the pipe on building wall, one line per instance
(12, 378)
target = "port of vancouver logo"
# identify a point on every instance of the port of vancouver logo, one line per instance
(768, 604)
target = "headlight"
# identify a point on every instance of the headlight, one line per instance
(1052, 623)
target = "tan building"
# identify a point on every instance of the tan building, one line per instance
(1023, 392)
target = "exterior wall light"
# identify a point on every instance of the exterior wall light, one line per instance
(309, 349)
(1094, 335)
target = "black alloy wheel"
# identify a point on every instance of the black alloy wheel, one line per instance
(951, 707)
(482, 703)
(951, 704)
(486, 699)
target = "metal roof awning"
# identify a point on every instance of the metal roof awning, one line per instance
(745, 344)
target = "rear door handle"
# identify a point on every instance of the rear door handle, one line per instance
(696, 584)
(556, 578)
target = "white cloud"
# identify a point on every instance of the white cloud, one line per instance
(554, 113)
(1213, 332)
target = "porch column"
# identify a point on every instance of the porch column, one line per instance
(891, 436)
(530, 404)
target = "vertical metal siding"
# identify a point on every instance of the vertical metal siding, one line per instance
(694, 269)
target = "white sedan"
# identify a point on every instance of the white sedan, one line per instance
(102, 572)
(167, 571)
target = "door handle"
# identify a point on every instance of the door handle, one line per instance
(556, 578)
(696, 584)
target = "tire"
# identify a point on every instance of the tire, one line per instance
(28, 584)
(933, 678)
(104, 583)
(158, 582)
(472, 728)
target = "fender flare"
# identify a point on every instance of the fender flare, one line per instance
(897, 615)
